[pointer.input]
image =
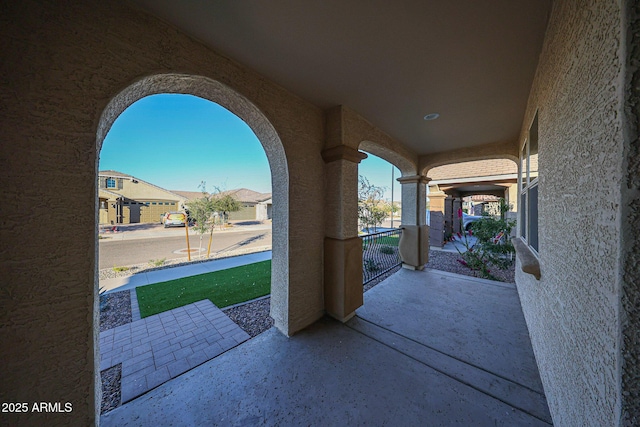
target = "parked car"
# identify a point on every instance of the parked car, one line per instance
(174, 219)
(467, 220)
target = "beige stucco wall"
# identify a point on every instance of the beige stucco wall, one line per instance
(490, 167)
(62, 64)
(573, 312)
(347, 127)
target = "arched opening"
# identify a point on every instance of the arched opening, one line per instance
(380, 210)
(381, 176)
(463, 193)
(405, 166)
(222, 95)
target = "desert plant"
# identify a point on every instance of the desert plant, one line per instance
(157, 262)
(492, 248)
(371, 265)
(120, 269)
(386, 249)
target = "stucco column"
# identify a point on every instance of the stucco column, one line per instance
(342, 246)
(436, 225)
(414, 242)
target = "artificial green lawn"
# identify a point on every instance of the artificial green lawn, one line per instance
(223, 288)
(381, 240)
(388, 240)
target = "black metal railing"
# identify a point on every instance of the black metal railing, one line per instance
(379, 253)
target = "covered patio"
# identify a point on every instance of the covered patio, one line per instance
(427, 347)
(320, 84)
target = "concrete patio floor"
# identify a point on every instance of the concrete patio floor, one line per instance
(427, 348)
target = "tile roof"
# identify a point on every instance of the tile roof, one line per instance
(246, 195)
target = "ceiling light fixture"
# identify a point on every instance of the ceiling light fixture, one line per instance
(431, 116)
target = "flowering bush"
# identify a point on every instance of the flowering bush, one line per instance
(492, 248)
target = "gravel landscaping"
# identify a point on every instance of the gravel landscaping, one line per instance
(448, 261)
(252, 317)
(110, 388)
(115, 310)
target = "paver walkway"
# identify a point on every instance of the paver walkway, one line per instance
(158, 348)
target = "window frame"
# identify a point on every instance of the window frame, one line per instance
(527, 183)
(110, 179)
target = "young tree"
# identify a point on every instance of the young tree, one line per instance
(225, 203)
(371, 210)
(202, 211)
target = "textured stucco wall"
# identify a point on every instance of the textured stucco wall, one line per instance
(346, 127)
(62, 64)
(630, 225)
(573, 312)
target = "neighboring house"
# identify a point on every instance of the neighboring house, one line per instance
(255, 206)
(475, 185)
(125, 199)
(264, 208)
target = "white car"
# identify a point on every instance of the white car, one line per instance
(467, 220)
(174, 219)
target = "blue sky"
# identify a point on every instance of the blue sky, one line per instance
(177, 141)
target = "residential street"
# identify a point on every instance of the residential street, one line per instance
(116, 251)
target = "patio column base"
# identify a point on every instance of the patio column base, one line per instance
(412, 267)
(342, 277)
(414, 246)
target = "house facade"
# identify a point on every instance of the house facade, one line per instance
(70, 69)
(125, 199)
(255, 206)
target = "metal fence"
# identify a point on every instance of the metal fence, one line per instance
(379, 253)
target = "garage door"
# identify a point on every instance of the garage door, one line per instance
(151, 211)
(247, 213)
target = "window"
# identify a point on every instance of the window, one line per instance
(111, 183)
(529, 187)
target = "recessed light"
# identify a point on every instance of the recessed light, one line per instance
(431, 116)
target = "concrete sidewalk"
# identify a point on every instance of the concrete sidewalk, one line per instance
(172, 273)
(151, 231)
(457, 244)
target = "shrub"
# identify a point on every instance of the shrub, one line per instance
(386, 249)
(371, 265)
(493, 246)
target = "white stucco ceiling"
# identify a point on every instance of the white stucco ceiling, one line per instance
(392, 61)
